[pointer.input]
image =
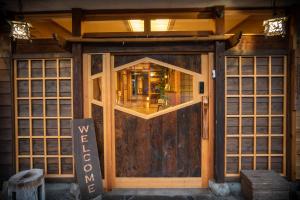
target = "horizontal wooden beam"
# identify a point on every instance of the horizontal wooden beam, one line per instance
(181, 47)
(147, 40)
(149, 34)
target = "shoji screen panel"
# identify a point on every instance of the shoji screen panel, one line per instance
(43, 110)
(255, 122)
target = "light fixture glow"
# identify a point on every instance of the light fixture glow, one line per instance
(160, 24)
(136, 25)
(20, 30)
(275, 26)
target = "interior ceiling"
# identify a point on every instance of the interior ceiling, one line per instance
(55, 5)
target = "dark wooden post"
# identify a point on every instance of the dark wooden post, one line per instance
(219, 111)
(291, 164)
(77, 81)
(219, 16)
(76, 21)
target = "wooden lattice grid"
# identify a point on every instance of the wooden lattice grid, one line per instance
(43, 110)
(255, 137)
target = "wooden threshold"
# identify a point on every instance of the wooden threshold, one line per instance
(163, 182)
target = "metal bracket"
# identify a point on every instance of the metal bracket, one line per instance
(213, 73)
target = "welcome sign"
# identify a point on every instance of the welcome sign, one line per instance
(86, 158)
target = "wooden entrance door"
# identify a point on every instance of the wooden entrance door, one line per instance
(152, 114)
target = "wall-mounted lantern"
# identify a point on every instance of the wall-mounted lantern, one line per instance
(20, 30)
(275, 26)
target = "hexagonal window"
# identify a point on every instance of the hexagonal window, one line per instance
(149, 86)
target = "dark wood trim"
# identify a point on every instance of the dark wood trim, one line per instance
(291, 152)
(262, 52)
(291, 109)
(12, 85)
(232, 179)
(233, 40)
(60, 180)
(41, 55)
(76, 21)
(77, 81)
(220, 20)
(148, 34)
(149, 47)
(219, 112)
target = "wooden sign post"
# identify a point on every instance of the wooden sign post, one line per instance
(87, 163)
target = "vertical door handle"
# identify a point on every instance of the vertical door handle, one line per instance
(204, 117)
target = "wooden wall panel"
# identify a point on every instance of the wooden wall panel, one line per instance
(43, 113)
(298, 120)
(97, 115)
(164, 146)
(256, 133)
(6, 107)
(260, 45)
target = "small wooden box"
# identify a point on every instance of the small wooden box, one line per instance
(264, 184)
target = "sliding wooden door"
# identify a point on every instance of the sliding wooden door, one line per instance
(152, 114)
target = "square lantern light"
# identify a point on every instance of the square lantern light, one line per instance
(20, 30)
(275, 26)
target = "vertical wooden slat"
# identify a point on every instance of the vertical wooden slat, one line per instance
(16, 115)
(58, 114)
(269, 113)
(78, 84)
(30, 112)
(284, 116)
(109, 120)
(44, 116)
(240, 113)
(225, 122)
(254, 118)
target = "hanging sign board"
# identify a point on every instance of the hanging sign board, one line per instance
(87, 163)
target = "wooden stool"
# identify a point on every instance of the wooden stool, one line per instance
(263, 185)
(27, 185)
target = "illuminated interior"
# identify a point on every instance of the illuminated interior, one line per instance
(136, 25)
(148, 88)
(160, 24)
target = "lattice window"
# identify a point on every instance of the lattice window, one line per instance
(255, 89)
(43, 110)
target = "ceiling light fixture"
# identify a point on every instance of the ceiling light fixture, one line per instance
(136, 25)
(160, 24)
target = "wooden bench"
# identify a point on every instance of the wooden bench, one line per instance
(263, 185)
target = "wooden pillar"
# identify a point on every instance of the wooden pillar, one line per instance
(77, 81)
(219, 112)
(292, 92)
(219, 17)
(76, 21)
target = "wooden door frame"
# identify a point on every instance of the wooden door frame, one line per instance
(111, 181)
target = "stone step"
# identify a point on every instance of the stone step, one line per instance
(60, 191)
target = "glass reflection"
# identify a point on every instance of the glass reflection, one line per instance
(148, 88)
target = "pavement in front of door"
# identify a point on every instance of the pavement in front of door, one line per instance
(61, 191)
